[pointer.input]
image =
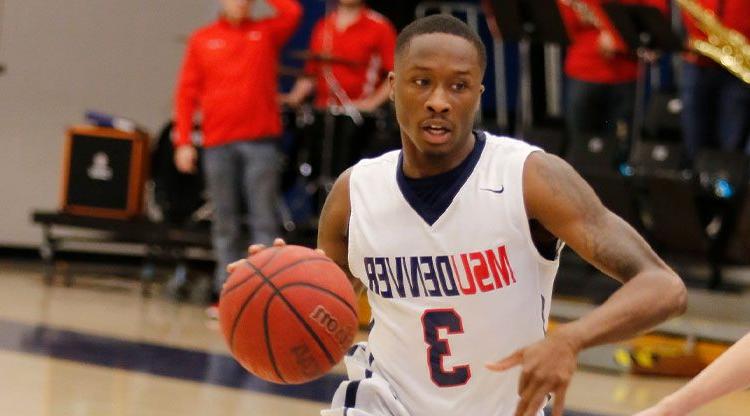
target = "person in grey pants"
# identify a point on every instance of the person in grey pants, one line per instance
(242, 172)
(229, 75)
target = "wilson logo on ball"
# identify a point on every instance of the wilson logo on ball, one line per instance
(343, 334)
(305, 360)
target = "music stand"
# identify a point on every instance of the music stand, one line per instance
(643, 29)
(527, 21)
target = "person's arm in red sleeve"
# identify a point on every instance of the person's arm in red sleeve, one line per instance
(305, 85)
(284, 22)
(569, 17)
(386, 52)
(189, 87)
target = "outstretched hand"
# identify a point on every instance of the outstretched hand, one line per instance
(546, 367)
(255, 248)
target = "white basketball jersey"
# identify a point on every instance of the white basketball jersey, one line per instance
(449, 297)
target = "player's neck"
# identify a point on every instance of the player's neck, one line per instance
(422, 165)
(233, 20)
(347, 14)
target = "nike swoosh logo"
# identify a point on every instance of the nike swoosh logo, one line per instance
(497, 191)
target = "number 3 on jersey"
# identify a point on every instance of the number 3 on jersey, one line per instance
(438, 348)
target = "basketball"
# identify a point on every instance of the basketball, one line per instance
(288, 314)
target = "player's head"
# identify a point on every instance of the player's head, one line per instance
(236, 10)
(436, 83)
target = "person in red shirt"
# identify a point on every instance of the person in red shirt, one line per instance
(715, 103)
(601, 72)
(360, 44)
(230, 74)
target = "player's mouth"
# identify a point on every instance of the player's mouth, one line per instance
(437, 131)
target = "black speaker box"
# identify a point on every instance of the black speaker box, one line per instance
(104, 172)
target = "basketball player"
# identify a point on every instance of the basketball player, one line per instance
(456, 239)
(730, 372)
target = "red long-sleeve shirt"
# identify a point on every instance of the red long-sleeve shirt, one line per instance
(734, 14)
(368, 43)
(230, 74)
(584, 61)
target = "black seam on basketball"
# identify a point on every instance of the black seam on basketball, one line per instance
(296, 313)
(276, 251)
(322, 289)
(268, 339)
(247, 279)
(254, 292)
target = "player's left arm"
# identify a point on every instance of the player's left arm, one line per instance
(557, 197)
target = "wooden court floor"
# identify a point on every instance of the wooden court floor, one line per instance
(99, 348)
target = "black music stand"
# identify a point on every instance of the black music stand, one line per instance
(526, 22)
(644, 29)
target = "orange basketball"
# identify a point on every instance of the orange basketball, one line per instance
(288, 314)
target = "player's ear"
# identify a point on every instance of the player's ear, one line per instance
(392, 84)
(481, 89)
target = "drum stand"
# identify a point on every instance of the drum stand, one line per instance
(336, 93)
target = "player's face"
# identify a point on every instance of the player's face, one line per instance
(236, 10)
(436, 86)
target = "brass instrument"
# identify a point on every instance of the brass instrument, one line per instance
(726, 46)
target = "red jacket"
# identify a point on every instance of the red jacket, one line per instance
(734, 14)
(230, 74)
(584, 61)
(369, 43)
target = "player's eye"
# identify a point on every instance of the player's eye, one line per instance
(421, 82)
(459, 86)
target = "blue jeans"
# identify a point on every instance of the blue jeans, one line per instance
(715, 109)
(249, 171)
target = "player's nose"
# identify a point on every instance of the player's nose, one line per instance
(437, 102)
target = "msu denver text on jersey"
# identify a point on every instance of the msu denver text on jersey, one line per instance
(448, 275)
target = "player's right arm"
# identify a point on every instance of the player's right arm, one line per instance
(730, 372)
(333, 227)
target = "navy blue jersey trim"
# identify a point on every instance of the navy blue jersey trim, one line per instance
(368, 373)
(350, 400)
(353, 349)
(448, 184)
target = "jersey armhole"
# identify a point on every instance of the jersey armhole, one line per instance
(524, 225)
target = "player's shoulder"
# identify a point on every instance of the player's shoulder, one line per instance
(386, 159)
(506, 143)
(376, 166)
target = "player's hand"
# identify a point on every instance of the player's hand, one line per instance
(607, 46)
(253, 249)
(365, 105)
(546, 367)
(185, 158)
